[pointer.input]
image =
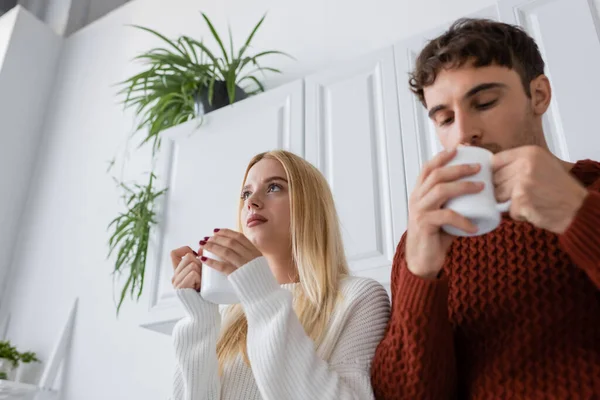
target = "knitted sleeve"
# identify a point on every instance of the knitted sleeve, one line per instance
(416, 358)
(284, 361)
(195, 342)
(581, 240)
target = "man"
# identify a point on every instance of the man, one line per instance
(513, 314)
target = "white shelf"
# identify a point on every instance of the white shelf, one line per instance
(20, 391)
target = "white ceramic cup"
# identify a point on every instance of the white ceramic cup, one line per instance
(215, 287)
(481, 208)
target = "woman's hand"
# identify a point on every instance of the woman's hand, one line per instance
(232, 247)
(187, 267)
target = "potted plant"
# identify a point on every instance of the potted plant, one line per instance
(183, 80)
(29, 368)
(9, 359)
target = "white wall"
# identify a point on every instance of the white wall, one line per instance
(62, 253)
(7, 22)
(26, 78)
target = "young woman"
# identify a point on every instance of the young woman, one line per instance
(304, 329)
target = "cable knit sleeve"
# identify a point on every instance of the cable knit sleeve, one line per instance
(581, 240)
(195, 340)
(416, 358)
(284, 361)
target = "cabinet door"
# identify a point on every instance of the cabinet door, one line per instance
(418, 132)
(566, 32)
(203, 168)
(353, 137)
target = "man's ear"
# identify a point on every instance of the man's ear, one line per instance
(541, 94)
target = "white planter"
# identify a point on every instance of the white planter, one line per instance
(7, 367)
(29, 373)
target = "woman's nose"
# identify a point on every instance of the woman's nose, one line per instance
(253, 202)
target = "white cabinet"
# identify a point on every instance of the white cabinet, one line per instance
(353, 137)
(418, 133)
(203, 168)
(360, 125)
(566, 32)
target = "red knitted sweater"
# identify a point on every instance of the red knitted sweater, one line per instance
(515, 315)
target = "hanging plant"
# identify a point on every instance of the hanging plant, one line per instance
(131, 235)
(182, 80)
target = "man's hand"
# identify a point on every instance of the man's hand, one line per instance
(541, 190)
(426, 243)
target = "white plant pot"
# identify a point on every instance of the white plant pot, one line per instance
(29, 373)
(7, 367)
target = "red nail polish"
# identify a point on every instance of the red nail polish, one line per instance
(202, 243)
(216, 230)
(203, 258)
(206, 238)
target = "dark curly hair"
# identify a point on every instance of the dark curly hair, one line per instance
(482, 41)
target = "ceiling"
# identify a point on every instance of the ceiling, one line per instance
(65, 16)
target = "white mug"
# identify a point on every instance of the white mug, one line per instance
(215, 287)
(481, 208)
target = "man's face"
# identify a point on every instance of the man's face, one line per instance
(486, 107)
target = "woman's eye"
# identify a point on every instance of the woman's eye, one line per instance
(273, 187)
(245, 195)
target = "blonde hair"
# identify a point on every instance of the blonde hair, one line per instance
(317, 250)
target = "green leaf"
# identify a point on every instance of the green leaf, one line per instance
(247, 44)
(114, 221)
(122, 255)
(205, 50)
(191, 48)
(256, 81)
(142, 274)
(117, 237)
(251, 73)
(123, 293)
(232, 55)
(231, 85)
(254, 61)
(160, 36)
(216, 36)
(117, 232)
(177, 63)
(270, 52)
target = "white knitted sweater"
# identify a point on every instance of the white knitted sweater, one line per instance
(285, 363)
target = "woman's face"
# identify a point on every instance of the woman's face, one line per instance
(265, 215)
